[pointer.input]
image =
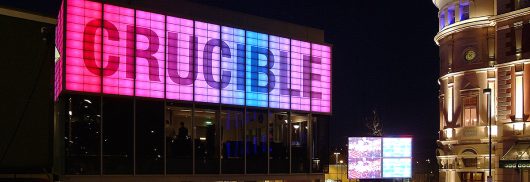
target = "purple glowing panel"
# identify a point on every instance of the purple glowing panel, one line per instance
(300, 75)
(180, 60)
(150, 54)
(234, 64)
(208, 56)
(364, 168)
(117, 49)
(279, 94)
(83, 46)
(320, 78)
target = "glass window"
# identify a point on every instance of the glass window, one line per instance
(82, 135)
(470, 111)
(179, 146)
(232, 141)
(299, 147)
(118, 128)
(279, 142)
(464, 11)
(149, 137)
(450, 16)
(320, 145)
(442, 20)
(256, 141)
(206, 141)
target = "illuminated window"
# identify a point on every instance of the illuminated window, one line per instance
(450, 104)
(442, 20)
(519, 96)
(491, 85)
(470, 111)
(450, 15)
(464, 11)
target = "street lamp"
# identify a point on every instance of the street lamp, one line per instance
(487, 91)
(336, 157)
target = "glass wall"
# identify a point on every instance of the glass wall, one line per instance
(206, 140)
(179, 145)
(256, 141)
(232, 141)
(119, 135)
(82, 135)
(149, 137)
(299, 144)
(279, 142)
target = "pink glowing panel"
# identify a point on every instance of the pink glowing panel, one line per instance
(300, 75)
(234, 92)
(150, 54)
(82, 32)
(321, 78)
(117, 51)
(58, 86)
(179, 56)
(279, 96)
(208, 79)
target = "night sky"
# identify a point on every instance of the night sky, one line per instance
(384, 58)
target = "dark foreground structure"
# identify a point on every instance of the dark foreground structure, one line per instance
(164, 91)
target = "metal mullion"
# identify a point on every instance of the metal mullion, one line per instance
(290, 141)
(193, 137)
(165, 91)
(195, 62)
(290, 101)
(245, 106)
(134, 96)
(220, 83)
(309, 139)
(101, 91)
(268, 103)
(310, 142)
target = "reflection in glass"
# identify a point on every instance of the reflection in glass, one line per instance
(256, 140)
(82, 135)
(299, 147)
(320, 143)
(178, 140)
(279, 142)
(206, 141)
(232, 138)
(118, 128)
(149, 137)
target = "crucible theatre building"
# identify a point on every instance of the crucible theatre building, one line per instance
(157, 91)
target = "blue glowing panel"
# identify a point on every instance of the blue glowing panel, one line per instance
(397, 168)
(234, 64)
(257, 69)
(279, 94)
(397, 147)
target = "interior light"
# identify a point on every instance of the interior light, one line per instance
(296, 126)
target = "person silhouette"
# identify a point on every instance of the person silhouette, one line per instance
(183, 132)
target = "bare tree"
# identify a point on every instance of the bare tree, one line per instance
(374, 124)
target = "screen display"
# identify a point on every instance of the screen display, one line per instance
(379, 157)
(124, 51)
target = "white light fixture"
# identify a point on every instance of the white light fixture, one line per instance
(519, 96)
(493, 130)
(517, 126)
(296, 126)
(449, 133)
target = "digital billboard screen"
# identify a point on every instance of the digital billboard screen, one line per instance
(125, 51)
(379, 157)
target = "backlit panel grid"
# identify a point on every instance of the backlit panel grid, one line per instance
(397, 147)
(116, 54)
(203, 91)
(180, 62)
(280, 49)
(320, 78)
(397, 167)
(300, 75)
(58, 78)
(234, 93)
(256, 69)
(82, 39)
(150, 62)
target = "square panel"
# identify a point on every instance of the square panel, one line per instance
(150, 54)
(397, 168)
(364, 168)
(180, 62)
(234, 92)
(83, 46)
(118, 51)
(397, 147)
(320, 78)
(208, 79)
(257, 81)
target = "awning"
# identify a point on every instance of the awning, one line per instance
(517, 157)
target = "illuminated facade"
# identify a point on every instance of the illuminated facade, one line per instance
(180, 98)
(484, 44)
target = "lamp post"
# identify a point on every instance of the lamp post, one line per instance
(336, 157)
(487, 91)
(337, 164)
